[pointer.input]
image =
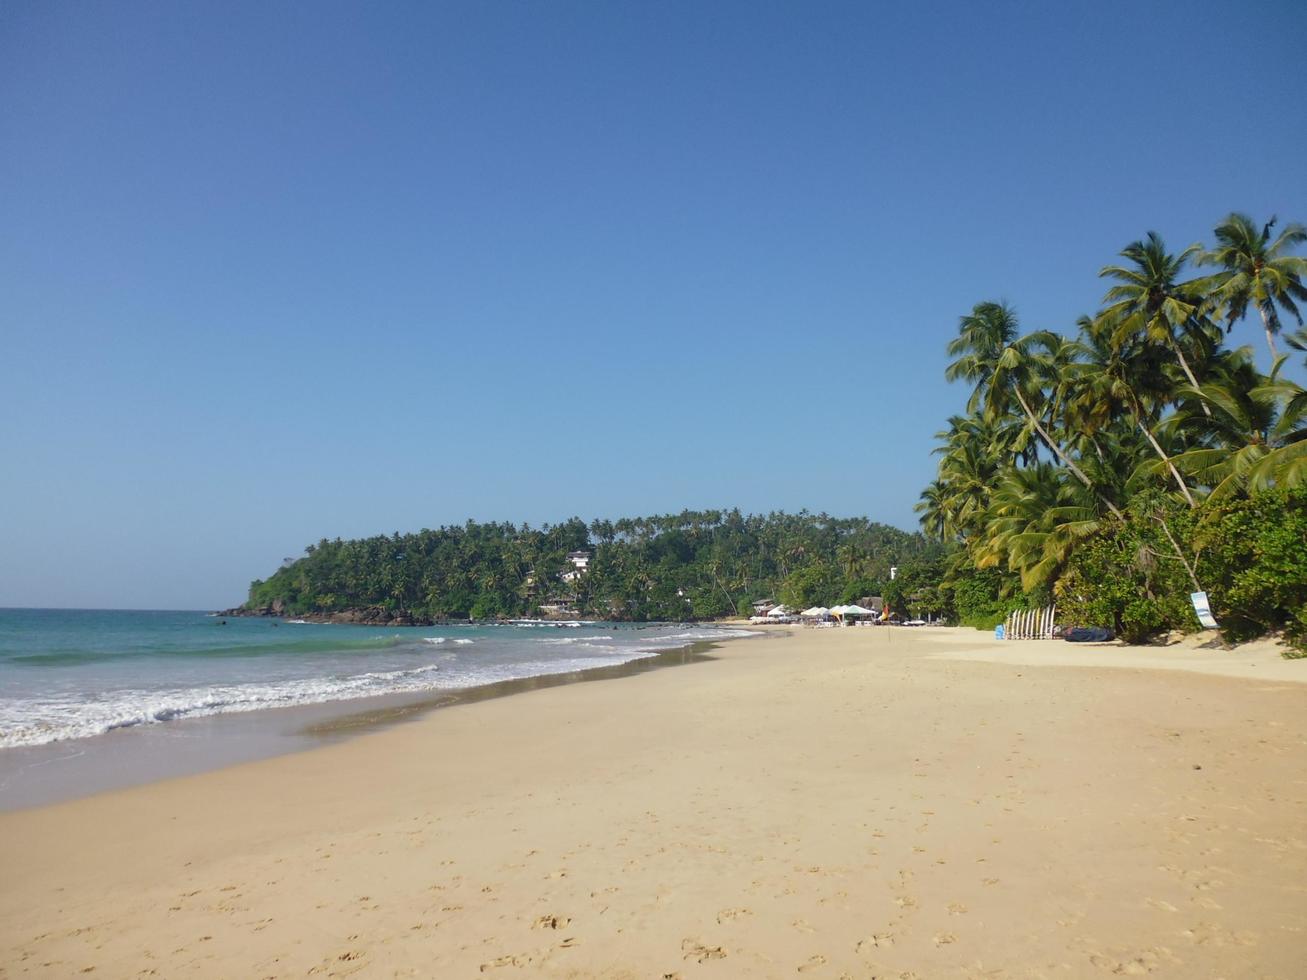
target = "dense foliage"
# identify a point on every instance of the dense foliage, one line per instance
(1120, 469)
(693, 565)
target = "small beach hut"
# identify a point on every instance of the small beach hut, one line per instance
(777, 612)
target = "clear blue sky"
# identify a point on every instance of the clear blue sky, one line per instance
(277, 272)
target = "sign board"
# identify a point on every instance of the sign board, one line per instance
(1204, 610)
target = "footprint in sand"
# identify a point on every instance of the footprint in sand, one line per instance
(726, 915)
(519, 959)
(551, 922)
(879, 940)
(956, 908)
(812, 963)
(692, 949)
(944, 938)
(1208, 934)
(1128, 968)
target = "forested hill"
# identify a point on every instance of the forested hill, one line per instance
(694, 565)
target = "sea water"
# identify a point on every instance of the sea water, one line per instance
(78, 674)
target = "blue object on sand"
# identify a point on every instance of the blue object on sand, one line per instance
(1000, 632)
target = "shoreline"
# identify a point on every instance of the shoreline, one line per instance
(138, 755)
(834, 802)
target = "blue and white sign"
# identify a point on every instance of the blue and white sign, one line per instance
(1204, 609)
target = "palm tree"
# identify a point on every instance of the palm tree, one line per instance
(934, 511)
(1005, 368)
(1148, 300)
(1258, 271)
(1254, 437)
(968, 472)
(850, 558)
(1035, 519)
(1112, 380)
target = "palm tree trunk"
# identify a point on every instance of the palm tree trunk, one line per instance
(1066, 461)
(1184, 489)
(734, 608)
(1270, 338)
(1175, 545)
(1188, 373)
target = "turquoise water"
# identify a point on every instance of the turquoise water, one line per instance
(67, 674)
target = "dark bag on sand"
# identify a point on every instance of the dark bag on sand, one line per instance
(1088, 634)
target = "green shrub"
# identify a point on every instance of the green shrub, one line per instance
(1254, 552)
(1129, 577)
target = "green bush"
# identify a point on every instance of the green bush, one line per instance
(1130, 578)
(983, 597)
(1250, 556)
(1254, 552)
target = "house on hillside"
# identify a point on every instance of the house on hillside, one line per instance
(580, 564)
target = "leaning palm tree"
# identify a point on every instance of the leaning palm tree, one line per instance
(1004, 369)
(1286, 464)
(1150, 302)
(1006, 439)
(1253, 439)
(1036, 517)
(1114, 381)
(1258, 271)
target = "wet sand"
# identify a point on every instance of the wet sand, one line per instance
(858, 802)
(52, 773)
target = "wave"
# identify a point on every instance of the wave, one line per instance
(708, 633)
(56, 719)
(60, 658)
(54, 712)
(540, 624)
(53, 719)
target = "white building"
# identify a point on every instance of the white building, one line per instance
(580, 563)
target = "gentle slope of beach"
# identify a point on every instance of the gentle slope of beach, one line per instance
(835, 803)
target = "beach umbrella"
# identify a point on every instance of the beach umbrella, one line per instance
(840, 610)
(779, 611)
(857, 611)
(815, 612)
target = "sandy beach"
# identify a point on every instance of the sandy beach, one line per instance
(833, 803)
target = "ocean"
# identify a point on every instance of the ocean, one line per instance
(80, 674)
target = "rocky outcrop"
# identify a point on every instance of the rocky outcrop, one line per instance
(368, 616)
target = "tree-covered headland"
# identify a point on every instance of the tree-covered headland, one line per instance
(693, 565)
(1116, 468)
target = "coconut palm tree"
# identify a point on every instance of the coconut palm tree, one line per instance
(1258, 271)
(1120, 380)
(1036, 516)
(936, 522)
(1150, 302)
(1004, 369)
(1253, 438)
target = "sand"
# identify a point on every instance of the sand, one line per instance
(834, 803)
